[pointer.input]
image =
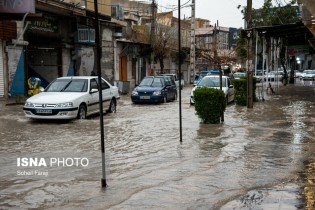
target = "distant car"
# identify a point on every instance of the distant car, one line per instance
(214, 82)
(238, 75)
(71, 97)
(308, 75)
(155, 89)
(299, 74)
(176, 79)
(259, 74)
(274, 76)
(200, 74)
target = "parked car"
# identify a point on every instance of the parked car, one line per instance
(260, 74)
(155, 89)
(71, 97)
(176, 79)
(214, 82)
(274, 76)
(308, 75)
(199, 75)
(299, 74)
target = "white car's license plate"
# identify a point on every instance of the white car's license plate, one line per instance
(44, 111)
(144, 97)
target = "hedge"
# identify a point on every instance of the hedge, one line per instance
(210, 104)
(240, 90)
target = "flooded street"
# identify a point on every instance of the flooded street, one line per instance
(257, 159)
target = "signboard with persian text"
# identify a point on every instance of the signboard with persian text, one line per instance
(17, 6)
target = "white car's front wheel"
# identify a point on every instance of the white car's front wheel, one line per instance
(82, 112)
(112, 107)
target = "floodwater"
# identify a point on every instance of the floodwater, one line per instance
(260, 158)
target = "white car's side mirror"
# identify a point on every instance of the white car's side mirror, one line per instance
(94, 90)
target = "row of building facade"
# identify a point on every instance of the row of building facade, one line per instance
(52, 38)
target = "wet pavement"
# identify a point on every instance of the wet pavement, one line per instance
(262, 158)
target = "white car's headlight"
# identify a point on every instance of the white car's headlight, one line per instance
(157, 93)
(28, 104)
(67, 104)
(134, 93)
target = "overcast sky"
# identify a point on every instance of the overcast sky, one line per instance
(223, 11)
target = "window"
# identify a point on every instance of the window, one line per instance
(167, 81)
(93, 84)
(104, 85)
(86, 35)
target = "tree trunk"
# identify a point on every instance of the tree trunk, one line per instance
(162, 65)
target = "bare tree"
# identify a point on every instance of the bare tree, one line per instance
(164, 41)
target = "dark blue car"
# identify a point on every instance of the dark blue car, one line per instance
(155, 89)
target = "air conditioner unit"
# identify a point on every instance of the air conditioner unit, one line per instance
(118, 32)
(118, 12)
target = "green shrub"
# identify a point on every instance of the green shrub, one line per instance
(209, 104)
(240, 90)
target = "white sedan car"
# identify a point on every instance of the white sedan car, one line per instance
(308, 75)
(213, 81)
(71, 97)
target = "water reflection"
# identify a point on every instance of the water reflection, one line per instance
(296, 112)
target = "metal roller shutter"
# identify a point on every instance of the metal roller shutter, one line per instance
(1, 70)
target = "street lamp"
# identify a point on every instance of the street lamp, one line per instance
(298, 61)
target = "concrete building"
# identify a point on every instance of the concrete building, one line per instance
(209, 38)
(308, 17)
(133, 46)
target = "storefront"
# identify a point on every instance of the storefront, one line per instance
(1, 70)
(43, 53)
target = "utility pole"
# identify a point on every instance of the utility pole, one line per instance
(249, 55)
(99, 72)
(153, 9)
(152, 33)
(191, 71)
(180, 75)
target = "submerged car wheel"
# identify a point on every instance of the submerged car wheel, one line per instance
(165, 99)
(175, 97)
(82, 112)
(112, 107)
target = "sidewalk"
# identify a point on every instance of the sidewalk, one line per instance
(297, 193)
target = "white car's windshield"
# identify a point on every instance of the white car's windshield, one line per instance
(212, 82)
(151, 82)
(309, 72)
(68, 85)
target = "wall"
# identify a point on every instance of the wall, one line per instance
(107, 60)
(85, 60)
(104, 7)
(67, 63)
